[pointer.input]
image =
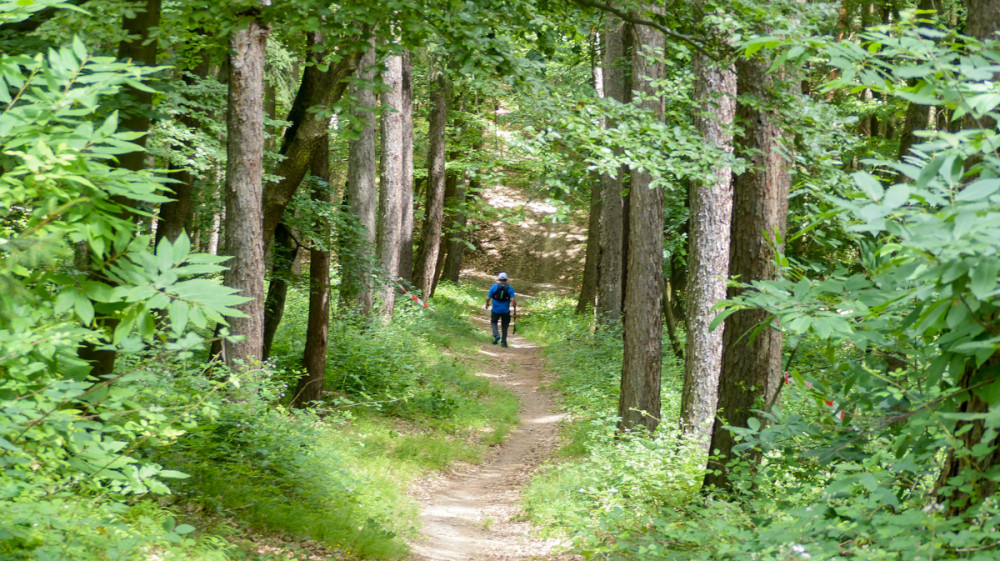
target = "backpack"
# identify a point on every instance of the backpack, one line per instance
(502, 294)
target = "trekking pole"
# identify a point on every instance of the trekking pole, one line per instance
(515, 323)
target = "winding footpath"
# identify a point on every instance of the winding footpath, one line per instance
(474, 512)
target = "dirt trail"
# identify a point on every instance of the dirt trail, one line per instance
(473, 512)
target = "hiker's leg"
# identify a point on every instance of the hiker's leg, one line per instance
(504, 322)
(493, 323)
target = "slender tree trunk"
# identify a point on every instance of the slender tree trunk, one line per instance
(456, 242)
(588, 287)
(639, 402)
(611, 229)
(390, 196)
(176, 215)
(711, 205)
(668, 315)
(310, 386)
(138, 24)
(285, 252)
(244, 176)
(451, 188)
(304, 134)
(356, 289)
(430, 236)
(751, 364)
(406, 234)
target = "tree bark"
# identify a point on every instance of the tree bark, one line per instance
(588, 287)
(285, 252)
(456, 243)
(357, 289)
(304, 134)
(751, 362)
(639, 402)
(708, 254)
(390, 195)
(406, 233)
(244, 177)
(610, 266)
(175, 216)
(310, 385)
(451, 188)
(430, 234)
(136, 118)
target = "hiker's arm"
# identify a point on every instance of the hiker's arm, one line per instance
(487, 306)
(513, 302)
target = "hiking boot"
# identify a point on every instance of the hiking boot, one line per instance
(504, 344)
(497, 340)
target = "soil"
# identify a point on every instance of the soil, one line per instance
(473, 512)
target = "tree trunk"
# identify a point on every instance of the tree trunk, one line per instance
(390, 202)
(451, 188)
(588, 287)
(139, 24)
(244, 176)
(456, 242)
(711, 205)
(668, 315)
(639, 403)
(304, 134)
(406, 233)
(751, 362)
(310, 386)
(176, 215)
(430, 234)
(356, 288)
(285, 253)
(611, 229)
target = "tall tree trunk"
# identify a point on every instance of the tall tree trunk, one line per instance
(390, 202)
(668, 315)
(611, 229)
(285, 252)
(305, 131)
(456, 242)
(138, 25)
(751, 364)
(639, 402)
(310, 386)
(356, 288)
(711, 205)
(588, 287)
(406, 233)
(451, 188)
(176, 215)
(244, 177)
(430, 234)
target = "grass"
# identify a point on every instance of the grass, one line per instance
(401, 401)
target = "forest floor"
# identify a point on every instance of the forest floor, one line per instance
(473, 512)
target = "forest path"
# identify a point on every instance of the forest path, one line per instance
(473, 512)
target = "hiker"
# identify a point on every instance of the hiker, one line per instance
(502, 295)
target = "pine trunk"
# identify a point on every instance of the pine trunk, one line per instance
(430, 234)
(639, 402)
(244, 176)
(390, 195)
(751, 360)
(711, 205)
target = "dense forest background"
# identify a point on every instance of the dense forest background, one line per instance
(241, 244)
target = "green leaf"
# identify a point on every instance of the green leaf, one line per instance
(869, 184)
(896, 196)
(983, 280)
(978, 190)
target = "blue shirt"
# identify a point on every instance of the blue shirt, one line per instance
(501, 307)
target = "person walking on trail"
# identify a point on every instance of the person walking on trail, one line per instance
(502, 295)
